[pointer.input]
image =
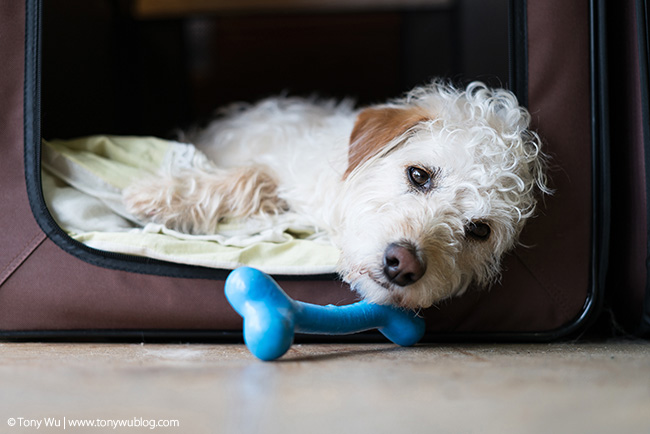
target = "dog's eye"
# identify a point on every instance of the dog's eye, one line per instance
(478, 231)
(419, 177)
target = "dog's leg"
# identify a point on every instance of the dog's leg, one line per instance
(194, 201)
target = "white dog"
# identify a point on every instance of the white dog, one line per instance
(422, 195)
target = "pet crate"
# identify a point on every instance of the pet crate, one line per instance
(132, 74)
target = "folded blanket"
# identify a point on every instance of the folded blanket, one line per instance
(83, 181)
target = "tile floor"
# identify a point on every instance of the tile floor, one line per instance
(601, 387)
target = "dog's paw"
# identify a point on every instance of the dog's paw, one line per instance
(195, 202)
(152, 200)
(168, 201)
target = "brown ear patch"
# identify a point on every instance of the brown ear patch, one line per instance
(375, 128)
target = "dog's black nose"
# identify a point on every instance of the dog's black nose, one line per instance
(402, 265)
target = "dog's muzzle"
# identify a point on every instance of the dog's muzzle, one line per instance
(402, 266)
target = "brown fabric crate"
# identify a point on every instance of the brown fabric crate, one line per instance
(52, 287)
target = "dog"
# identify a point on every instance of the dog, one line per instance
(423, 195)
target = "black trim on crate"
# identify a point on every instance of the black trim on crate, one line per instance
(518, 49)
(171, 336)
(601, 182)
(643, 38)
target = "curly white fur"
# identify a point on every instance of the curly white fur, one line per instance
(347, 170)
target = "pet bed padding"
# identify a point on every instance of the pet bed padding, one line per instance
(83, 181)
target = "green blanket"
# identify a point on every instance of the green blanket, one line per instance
(82, 183)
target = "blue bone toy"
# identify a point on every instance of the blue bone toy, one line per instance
(271, 318)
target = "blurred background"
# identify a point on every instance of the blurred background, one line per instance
(150, 67)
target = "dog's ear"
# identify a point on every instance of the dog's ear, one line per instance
(377, 127)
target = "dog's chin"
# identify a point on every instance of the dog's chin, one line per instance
(378, 291)
(426, 292)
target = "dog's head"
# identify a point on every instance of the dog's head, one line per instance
(438, 187)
